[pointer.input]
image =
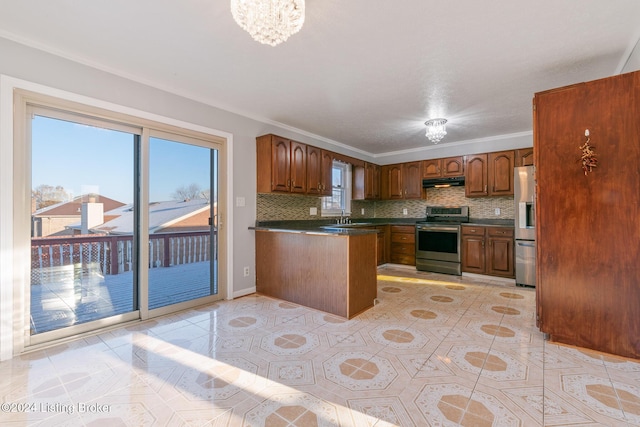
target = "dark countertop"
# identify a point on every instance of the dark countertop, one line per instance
(328, 226)
(489, 221)
(329, 221)
(310, 227)
(328, 231)
(357, 226)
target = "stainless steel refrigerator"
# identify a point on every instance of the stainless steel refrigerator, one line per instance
(525, 225)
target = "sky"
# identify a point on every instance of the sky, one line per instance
(85, 159)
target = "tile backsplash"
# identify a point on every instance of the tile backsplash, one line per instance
(272, 207)
(275, 207)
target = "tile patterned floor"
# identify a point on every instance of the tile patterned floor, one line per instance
(436, 350)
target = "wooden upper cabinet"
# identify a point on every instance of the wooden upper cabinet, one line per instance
(524, 156)
(319, 164)
(439, 168)
(366, 182)
(475, 184)
(358, 183)
(393, 179)
(412, 180)
(371, 181)
(432, 168)
(281, 165)
(501, 173)
(298, 167)
(327, 174)
(401, 181)
(453, 166)
(489, 174)
(314, 170)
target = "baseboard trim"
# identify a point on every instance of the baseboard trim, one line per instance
(244, 292)
(504, 280)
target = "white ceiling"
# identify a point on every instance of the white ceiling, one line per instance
(365, 73)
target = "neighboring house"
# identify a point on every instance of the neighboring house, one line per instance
(164, 217)
(55, 220)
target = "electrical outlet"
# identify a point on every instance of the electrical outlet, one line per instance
(405, 211)
(313, 211)
(497, 211)
(246, 272)
(362, 211)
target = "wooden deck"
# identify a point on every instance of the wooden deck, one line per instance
(68, 296)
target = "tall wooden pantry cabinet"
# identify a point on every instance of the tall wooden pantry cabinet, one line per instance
(588, 225)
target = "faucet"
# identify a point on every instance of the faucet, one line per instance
(343, 219)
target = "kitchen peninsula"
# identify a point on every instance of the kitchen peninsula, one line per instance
(332, 270)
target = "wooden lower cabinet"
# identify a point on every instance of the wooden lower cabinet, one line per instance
(403, 244)
(473, 250)
(488, 250)
(381, 243)
(333, 273)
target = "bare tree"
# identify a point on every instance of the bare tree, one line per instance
(190, 192)
(46, 195)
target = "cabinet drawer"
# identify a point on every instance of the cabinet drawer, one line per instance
(403, 238)
(403, 248)
(403, 259)
(500, 231)
(409, 229)
(474, 231)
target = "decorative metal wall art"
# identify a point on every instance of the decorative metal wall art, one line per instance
(589, 160)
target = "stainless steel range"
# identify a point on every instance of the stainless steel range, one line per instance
(438, 239)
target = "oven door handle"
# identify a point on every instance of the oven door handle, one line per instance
(438, 228)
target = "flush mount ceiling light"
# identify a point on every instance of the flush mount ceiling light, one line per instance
(436, 129)
(269, 21)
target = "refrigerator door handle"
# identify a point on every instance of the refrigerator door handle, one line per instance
(522, 217)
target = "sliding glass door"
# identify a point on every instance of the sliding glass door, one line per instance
(183, 198)
(123, 218)
(83, 220)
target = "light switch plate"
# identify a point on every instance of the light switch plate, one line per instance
(240, 202)
(313, 211)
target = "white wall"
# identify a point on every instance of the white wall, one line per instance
(633, 62)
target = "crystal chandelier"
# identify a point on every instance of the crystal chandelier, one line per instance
(436, 129)
(269, 21)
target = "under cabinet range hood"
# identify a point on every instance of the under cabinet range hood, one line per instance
(453, 181)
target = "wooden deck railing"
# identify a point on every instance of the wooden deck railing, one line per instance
(114, 254)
